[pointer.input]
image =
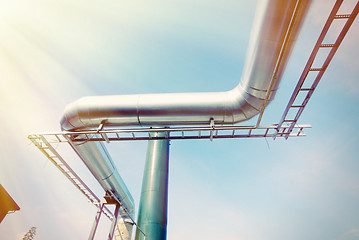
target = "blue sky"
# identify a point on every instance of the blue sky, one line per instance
(52, 53)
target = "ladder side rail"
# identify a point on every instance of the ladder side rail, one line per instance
(310, 61)
(67, 170)
(106, 211)
(327, 61)
(274, 76)
(217, 132)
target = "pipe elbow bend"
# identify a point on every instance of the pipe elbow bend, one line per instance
(70, 118)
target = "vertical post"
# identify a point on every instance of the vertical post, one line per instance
(152, 216)
(114, 221)
(97, 220)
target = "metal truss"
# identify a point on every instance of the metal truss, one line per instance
(286, 127)
(45, 143)
(174, 133)
(297, 102)
(42, 143)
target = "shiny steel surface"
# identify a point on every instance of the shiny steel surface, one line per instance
(276, 26)
(99, 162)
(152, 215)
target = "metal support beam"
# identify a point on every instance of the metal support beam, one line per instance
(152, 216)
(114, 221)
(97, 220)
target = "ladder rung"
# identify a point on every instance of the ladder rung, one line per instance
(297, 106)
(316, 69)
(281, 134)
(85, 190)
(327, 45)
(289, 120)
(306, 89)
(93, 198)
(89, 197)
(342, 16)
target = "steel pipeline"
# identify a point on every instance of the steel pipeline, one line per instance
(277, 24)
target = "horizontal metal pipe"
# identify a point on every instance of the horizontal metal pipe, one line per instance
(276, 26)
(277, 23)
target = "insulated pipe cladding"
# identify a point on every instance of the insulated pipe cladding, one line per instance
(277, 23)
(97, 159)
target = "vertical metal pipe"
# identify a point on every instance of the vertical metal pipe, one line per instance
(152, 216)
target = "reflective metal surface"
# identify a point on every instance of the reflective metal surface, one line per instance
(276, 26)
(99, 162)
(152, 212)
(277, 23)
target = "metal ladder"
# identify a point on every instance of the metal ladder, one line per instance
(308, 91)
(178, 133)
(46, 148)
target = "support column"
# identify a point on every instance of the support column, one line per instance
(114, 221)
(152, 215)
(97, 220)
